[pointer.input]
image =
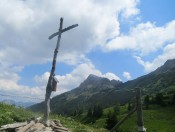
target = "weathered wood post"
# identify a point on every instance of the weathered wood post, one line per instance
(51, 79)
(122, 120)
(139, 112)
(138, 108)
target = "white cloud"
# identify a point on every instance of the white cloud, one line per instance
(168, 53)
(73, 59)
(9, 85)
(73, 79)
(12, 87)
(15, 14)
(139, 60)
(9, 71)
(26, 25)
(42, 80)
(111, 76)
(144, 38)
(127, 75)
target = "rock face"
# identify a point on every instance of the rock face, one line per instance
(35, 126)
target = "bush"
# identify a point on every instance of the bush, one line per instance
(147, 101)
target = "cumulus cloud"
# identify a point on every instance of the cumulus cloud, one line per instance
(13, 88)
(74, 78)
(168, 53)
(9, 85)
(127, 75)
(111, 76)
(26, 25)
(144, 38)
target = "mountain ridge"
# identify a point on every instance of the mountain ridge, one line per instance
(17, 103)
(102, 91)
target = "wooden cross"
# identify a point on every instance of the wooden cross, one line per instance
(51, 81)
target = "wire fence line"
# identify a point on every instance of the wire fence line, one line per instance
(20, 96)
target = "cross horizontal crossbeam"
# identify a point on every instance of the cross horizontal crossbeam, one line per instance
(63, 30)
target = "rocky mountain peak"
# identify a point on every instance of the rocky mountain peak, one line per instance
(93, 79)
(99, 81)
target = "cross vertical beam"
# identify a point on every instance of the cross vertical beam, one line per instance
(50, 83)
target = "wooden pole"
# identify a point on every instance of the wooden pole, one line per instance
(139, 112)
(49, 86)
(122, 120)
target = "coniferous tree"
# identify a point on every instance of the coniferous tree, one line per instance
(75, 113)
(146, 101)
(159, 98)
(80, 111)
(100, 111)
(129, 106)
(111, 120)
(97, 111)
(90, 112)
(117, 108)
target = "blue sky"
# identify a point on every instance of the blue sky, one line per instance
(117, 39)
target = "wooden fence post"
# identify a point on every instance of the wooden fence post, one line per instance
(139, 112)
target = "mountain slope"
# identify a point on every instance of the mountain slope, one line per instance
(160, 80)
(102, 91)
(94, 90)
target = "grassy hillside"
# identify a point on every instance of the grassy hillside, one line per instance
(10, 114)
(156, 119)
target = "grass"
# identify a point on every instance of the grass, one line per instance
(156, 119)
(76, 126)
(10, 114)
